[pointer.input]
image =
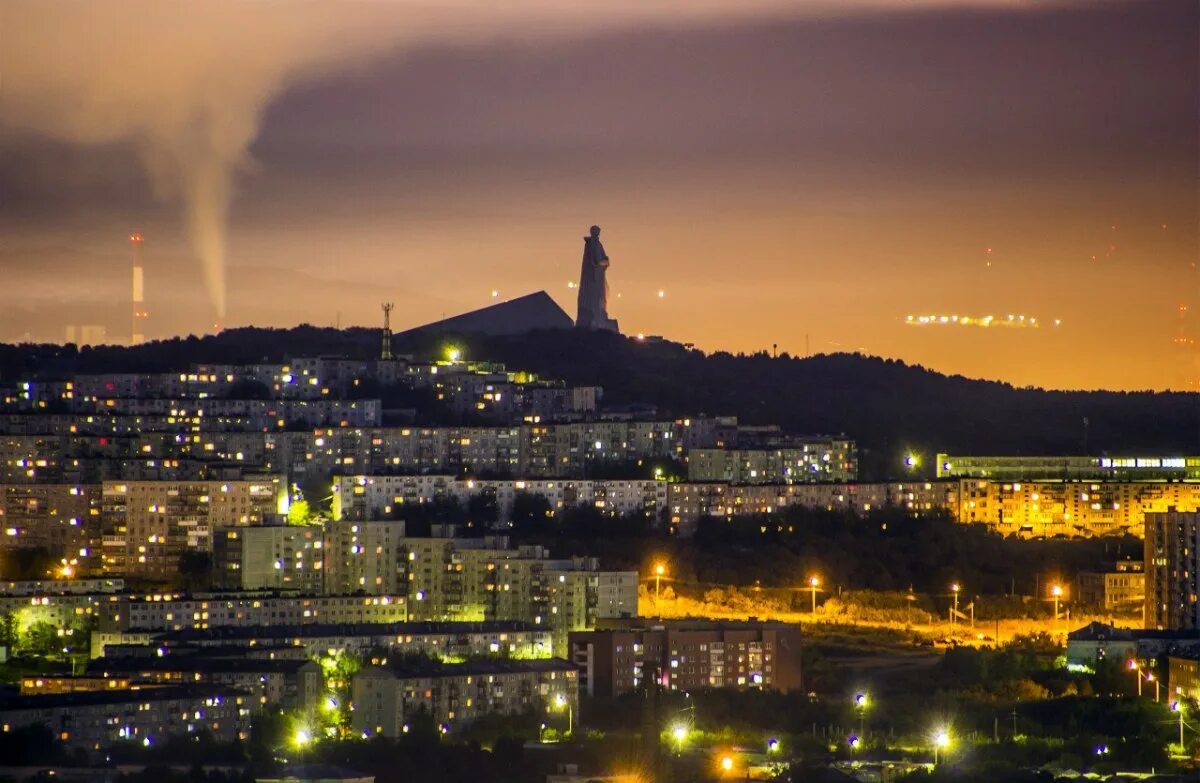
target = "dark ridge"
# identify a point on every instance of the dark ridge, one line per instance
(890, 407)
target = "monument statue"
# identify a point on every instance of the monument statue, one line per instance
(593, 286)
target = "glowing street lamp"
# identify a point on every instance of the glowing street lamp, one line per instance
(659, 570)
(853, 742)
(1177, 708)
(941, 743)
(772, 745)
(814, 583)
(561, 702)
(912, 460)
(302, 737)
(680, 734)
(453, 354)
(1136, 668)
(1151, 678)
(861, 703)
(1056, 592)
(726, 763)
(954, 589)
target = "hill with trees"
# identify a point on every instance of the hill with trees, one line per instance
(890, 407)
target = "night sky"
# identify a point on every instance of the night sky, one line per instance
(785, 173)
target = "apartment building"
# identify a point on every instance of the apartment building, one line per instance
(387, 697)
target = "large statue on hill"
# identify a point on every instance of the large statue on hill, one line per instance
(593, 286)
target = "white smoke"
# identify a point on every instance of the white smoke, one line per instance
(187, 82)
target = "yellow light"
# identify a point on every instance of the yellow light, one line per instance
(453, 354)
(302, 738)
(814, 581)
(942, 738)
(660, 569)
(955, 587)
(726, 763)
(680, 733)
(1056, 591)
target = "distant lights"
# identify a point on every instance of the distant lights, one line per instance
(1011, 320)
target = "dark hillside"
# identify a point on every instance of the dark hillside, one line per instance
(889, 406)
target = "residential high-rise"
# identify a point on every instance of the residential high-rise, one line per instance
(1172, 568)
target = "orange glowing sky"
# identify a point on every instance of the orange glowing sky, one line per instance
(799, 179)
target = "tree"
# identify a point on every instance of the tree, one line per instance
(482, 508)
(41, 639)
(531, 513)
(195, 570)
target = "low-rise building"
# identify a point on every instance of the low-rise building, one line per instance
(387, 697)
(96, 720)
(440, 640)
(288, 683)
(1122, 586)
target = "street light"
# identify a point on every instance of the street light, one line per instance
(726, 763)
(680, 733)
(954, 588)
(941, 742)
(861, 703)
(853, 742)
(659, 570)
(1136, 668)
(1177, 707)
(1151, 678)
(1056, 592)
(814, 582)
(912, 460)
(561, 701)
(772, 745)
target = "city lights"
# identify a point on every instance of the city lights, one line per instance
(1009, 321)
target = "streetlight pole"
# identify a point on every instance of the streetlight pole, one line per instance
(954, 588)
(1056, 591)
(659, 570)
(1177, 707)
(1136, 668)
(813, 583)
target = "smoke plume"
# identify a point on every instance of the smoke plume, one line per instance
(187, 83)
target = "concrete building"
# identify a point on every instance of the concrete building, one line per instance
(271, 557)
(688, 501)
(1070, 509)
(387, 697)
(807, 461)
(686, 655)
(1123, 586)
(1070, 468)
(381, 496)
(97, 720)
(148, 525)
(440, 640)
(290, 684)
(246, 609)
(62, 518)
(1173, 570)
